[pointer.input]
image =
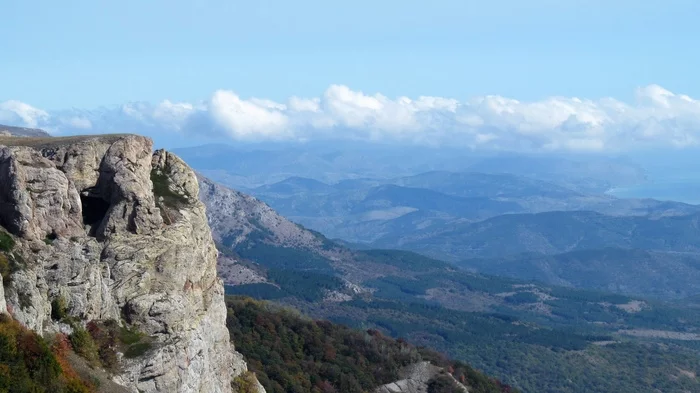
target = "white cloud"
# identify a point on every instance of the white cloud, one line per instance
(657, 117)
(173, 114)
(304, 105)
(247, 118)
(77, 122)
(18, 112)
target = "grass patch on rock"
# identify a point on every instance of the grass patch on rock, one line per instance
(135, 343)
(7, 243)
(9, 264)
(161, 189)
(245, 383)
(138, 349)
(99, 342)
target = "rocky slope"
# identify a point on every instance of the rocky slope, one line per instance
(254, 232)
(111, 230)
(233, 216)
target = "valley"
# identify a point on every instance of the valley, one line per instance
(534, 335)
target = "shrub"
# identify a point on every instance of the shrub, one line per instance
(84, 345)
(522, 298)
(28, 364)
(129, 336)
(245, 383)
(105, 336)
(7, 243)
(50, 238)
(59, 309)
(9, 263)
(75, 386)
(25, 300)
(138, 349)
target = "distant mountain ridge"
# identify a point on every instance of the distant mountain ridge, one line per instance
(636, 272)
(367, 210)
(254, 165)
(553, 233)
(22, 131)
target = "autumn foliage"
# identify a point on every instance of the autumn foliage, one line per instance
(28, 364)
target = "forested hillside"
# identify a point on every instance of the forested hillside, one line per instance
(292, 354)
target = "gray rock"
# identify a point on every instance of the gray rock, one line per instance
(236, 215)
(3, 303)
(92, 232)
(415, 379)
(36, 199)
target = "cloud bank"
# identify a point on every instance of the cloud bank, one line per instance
(657, 117)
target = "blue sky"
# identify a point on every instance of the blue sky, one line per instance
(521, 75)
(62, 54)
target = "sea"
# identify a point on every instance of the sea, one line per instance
(680, 190)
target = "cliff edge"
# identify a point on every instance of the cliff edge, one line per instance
(101, 228)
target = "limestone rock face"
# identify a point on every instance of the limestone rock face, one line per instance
(415, 379)
(36, 199)
(117, 232)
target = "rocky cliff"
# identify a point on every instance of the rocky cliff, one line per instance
(104, 229)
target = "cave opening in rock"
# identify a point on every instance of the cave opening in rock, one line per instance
(94, 210)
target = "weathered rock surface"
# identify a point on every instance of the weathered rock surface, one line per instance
(238, 214)
(415, 379)
(117, 232)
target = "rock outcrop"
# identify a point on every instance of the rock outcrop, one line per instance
(415, 379)
(116, 232)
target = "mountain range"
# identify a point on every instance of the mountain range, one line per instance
(389, 212)
(528, 332)
(250, 165)
(109, 263)
(636, 272)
